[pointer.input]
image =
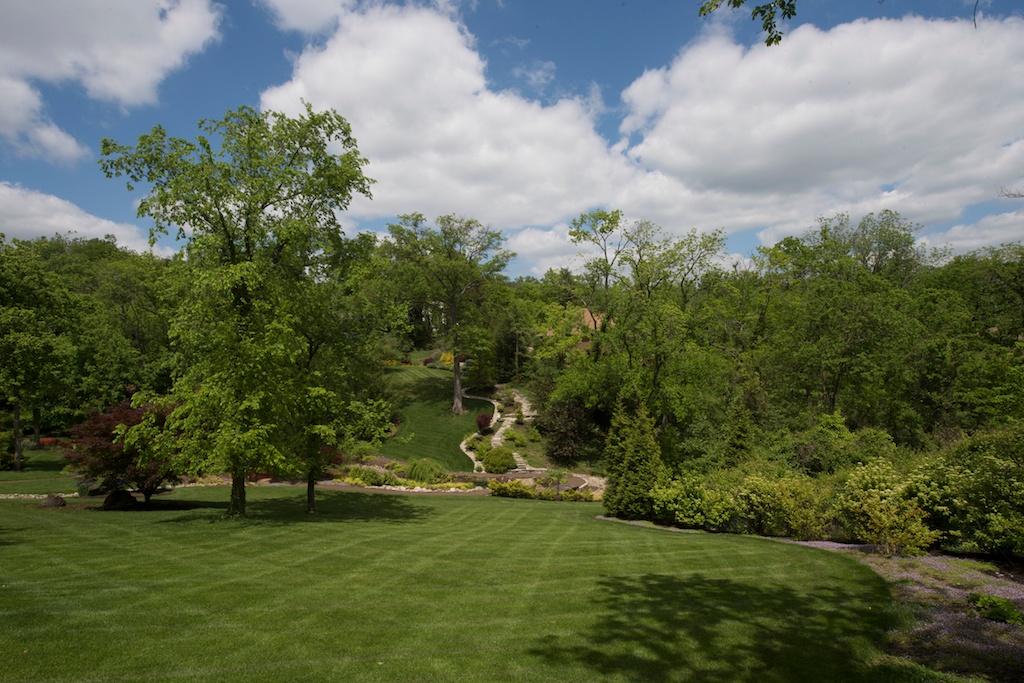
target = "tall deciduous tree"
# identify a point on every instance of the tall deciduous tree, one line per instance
(451, 265)
(256, 197)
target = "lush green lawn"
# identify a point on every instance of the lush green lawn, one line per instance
(41, 473)
(401, 588)
(428, 428)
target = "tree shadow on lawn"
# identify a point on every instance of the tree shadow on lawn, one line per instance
(666, 628)
(332, 507)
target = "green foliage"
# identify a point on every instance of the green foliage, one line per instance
(370, 476)
(513, 488)
(825, 448)
(634, 464)
(795, 507)
(516, 439)
(257, 196)
(974, 491)
(767, 13)
(875, 507)
(577, 495)
(692, 502)
(426, 470)
(448, 269)
(497, 460)
(996, 608)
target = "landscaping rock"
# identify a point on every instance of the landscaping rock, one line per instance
(53, 501)
(119, 500)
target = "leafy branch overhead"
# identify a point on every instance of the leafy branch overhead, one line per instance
(767, 12)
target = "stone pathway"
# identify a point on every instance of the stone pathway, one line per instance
(503, 423)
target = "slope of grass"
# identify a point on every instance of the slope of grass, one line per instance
(40, 473)
(394, 588)
(428, 428)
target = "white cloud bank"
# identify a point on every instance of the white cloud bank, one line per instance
(27, 214)
(919, 116)
(117, 50)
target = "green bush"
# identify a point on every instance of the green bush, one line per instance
(692, 503)
(510, 489)
(425, 470)
(974, 492)
(516, 439)
(996, 608)
(498, 460)
(827, 447)
(483, 446)
(791, 506)
(368, 476)
(760, 506)
(578, 495)
(876, 507)
(520, 418)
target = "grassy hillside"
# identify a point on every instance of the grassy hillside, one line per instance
(399, 588)
(428, 428)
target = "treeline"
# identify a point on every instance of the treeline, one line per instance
(846, 367)
(261, 347)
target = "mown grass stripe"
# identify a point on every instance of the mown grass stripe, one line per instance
(417, 589)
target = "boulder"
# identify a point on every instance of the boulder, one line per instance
(53, 501)
(119, 500)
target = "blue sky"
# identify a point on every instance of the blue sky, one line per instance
(526, 113)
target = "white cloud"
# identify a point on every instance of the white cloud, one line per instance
(918, 116)
(307, 16)
(538, 74)
(24, 126)
(413, 86)
(915, 115)
(989, 231)
(118, 50)
(543, 249)
(27, 214)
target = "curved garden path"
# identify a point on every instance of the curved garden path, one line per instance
(503, 422)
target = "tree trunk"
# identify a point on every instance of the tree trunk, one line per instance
(311, 491)
(17, 436)
(457, 400)
(36, 419)
(237, 505)
(35, 425)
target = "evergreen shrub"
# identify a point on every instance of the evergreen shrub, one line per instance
(498, 460)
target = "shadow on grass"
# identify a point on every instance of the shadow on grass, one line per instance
(290, 508)
(666, 628)
(340, 506)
